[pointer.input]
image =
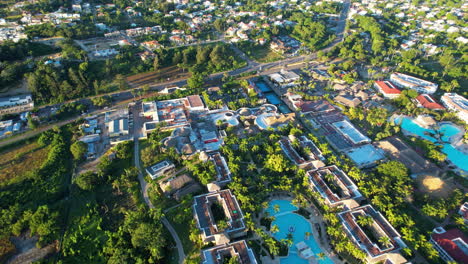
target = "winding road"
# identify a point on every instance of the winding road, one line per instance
(144, 185)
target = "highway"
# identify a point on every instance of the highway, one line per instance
(123, 97)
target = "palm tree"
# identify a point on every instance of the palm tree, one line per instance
(274, 229)
(321, 256)
(365, 220)
(276, 208)
(385, 241)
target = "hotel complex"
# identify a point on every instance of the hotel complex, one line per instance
(387, 89)
(376, 236)
(457, 104)
(219, 217)
(334, 186)
(236, 250)
(407, 81)
(302, 151)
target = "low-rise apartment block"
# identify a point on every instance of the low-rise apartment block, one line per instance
(236, 250)
(334, 186)
(302, 152)
(219, 217)
(407, 81)
(372, 233)
(456, 103)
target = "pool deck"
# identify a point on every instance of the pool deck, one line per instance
(322, 241)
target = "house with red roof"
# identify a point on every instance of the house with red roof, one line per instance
(388, 89)
(427, 101)
(451, 244)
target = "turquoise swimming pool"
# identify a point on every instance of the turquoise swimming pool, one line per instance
(285, 219)
(447, 130)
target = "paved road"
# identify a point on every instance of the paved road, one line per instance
(144, 185)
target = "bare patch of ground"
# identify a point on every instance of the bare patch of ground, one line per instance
(27, 252)
(434, 186)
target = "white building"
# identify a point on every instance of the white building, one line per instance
(406, 81)
(456, 103)
(160, 169)
(16, 101)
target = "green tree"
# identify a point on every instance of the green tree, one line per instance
(195, 81)
(87, 180)
(78, 150)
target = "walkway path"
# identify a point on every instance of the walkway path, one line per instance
(144, 189)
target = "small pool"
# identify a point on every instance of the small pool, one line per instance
(273, 98)
(447, 130)
(284, 219)
(263, 87)
(284, 109)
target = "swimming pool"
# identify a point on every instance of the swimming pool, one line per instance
(272, 98)
(284, 219)
(263, 87)
(447, 130)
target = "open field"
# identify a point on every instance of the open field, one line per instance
(16, 163)
(149, 78)
(261, 54)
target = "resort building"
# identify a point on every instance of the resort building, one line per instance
(407, 81)
(160, 169)
(334, 186)
(284, 78)
(24, 100)
(223, 253)
(372, 233)
(118, 127)
(219, 217)
(387, 89)
(350, 132)
(302, 152)
(171, 113)
(457, 104)
(223, 174)
(427, 101)
(451, 244)
(274, 120)
(365, 156)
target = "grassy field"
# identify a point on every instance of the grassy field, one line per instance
(260, 53)
(13, 161)
(152, 77)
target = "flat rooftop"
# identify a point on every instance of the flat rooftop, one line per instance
(365, 155)
(349, 131)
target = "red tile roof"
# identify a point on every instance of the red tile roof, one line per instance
(387, 87)
(429, 102)
(195, 101)
(445, 240)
